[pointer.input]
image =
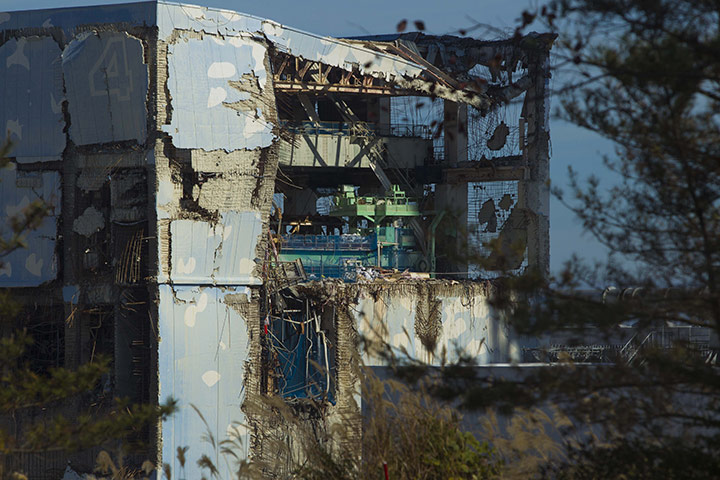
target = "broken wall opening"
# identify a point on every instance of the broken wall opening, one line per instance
(298, 342)
(45, 324)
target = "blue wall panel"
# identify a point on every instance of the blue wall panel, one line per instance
(130, 14)
(31, 96)
(203, 348)
(36, 264)
(107, 84)
(208, 112)
(222, 254)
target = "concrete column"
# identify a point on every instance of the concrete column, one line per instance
(455, 128)
(534, 193)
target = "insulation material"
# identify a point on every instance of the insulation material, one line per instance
(31, 97)
(36, 264)
(166, 198)
(204, 345)
(106, 82)
(221, 254)
(210, 111)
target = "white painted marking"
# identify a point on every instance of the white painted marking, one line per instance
(34, 265)
(14, 210)
(216, 97)
(237, 41)
(227, 230)
(221, 70)
(272, 28)
(474, 347)
(186, 267)
(400, 340)
(258, 54)
(246, 266)
(192, 311)
(455, 327)
(112, 68)
(18, 57)
(55, 106)
(48, 23)
(4, 17)
(211, 377)
(6, 269)
(14, 127)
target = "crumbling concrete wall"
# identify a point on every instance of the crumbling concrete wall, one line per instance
(74, 87)
(215, 164)
(421, 319)
(431, 321)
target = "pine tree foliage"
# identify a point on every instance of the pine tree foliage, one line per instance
(644, 74)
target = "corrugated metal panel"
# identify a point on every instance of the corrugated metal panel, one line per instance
(221, 254)
(208, 112)
(204, 344)
(106, 82)
(36, 264)
(31, 96)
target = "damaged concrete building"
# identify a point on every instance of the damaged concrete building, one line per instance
(235, 201)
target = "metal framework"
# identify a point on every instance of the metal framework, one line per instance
(294, 74)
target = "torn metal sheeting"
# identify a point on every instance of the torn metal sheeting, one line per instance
(350, 56)
(210, 111)
(328, 50)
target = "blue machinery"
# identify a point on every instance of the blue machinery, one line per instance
(302, 359)
(384, 242)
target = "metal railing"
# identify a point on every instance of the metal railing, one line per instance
(697, 338)
(328, 242)
(343, 128)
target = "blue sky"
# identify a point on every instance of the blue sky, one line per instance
(570, 145)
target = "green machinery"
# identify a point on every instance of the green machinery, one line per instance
(376, 236)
